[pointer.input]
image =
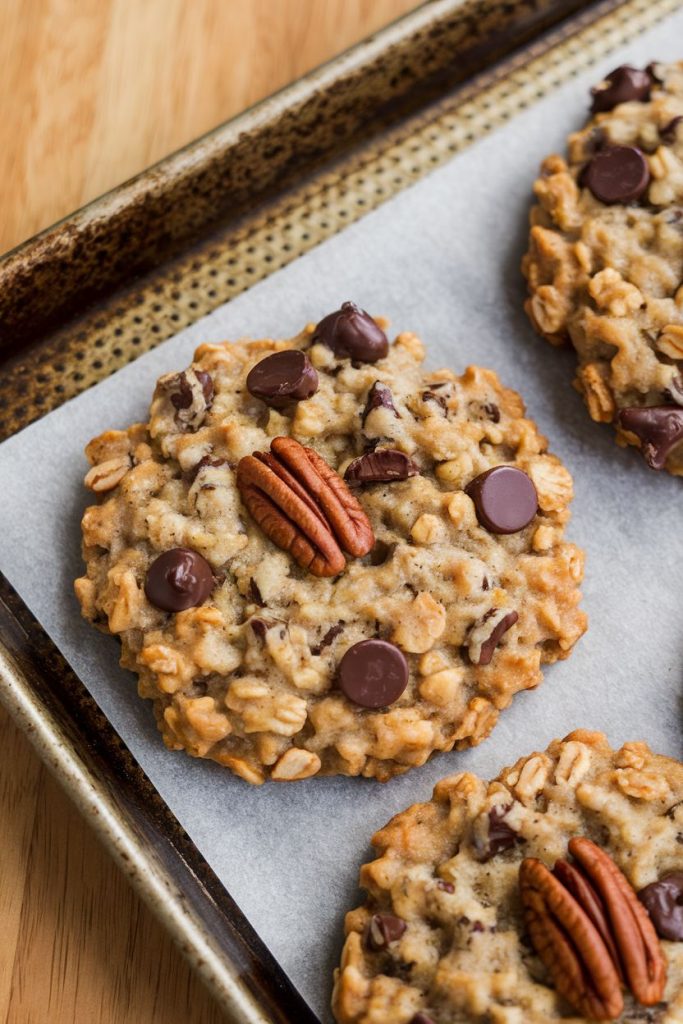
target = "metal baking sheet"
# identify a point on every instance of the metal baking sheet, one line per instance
(441, 258)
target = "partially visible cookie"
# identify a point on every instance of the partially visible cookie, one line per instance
(553, 893)
(605, 259)
(322, 560)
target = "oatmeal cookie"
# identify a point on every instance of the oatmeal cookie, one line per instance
(321, 559)
(605, 259)
(554, 892)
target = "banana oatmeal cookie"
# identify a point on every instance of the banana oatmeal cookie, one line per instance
(321, 559)
(605, 259)
(553, 893)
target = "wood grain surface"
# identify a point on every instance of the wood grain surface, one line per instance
(94, 91)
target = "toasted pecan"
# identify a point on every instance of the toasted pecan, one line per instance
(639, 950)
(569, 944)
(303, 506)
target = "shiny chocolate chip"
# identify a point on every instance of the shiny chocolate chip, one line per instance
(623, 85)
(350, 332)
(505, 499)
(659, 427)
(663, 901)
(383, 929)
(206, 382)
(373, 673)
(488, 647)
(379, 397)
(668, 133)
(501, 836)
(283, 377)
(178, 579)
(618, 174)
(384, 465)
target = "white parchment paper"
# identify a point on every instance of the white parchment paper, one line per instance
(441, 259)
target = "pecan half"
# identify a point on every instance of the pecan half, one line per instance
(639, 950)
(587, 926)
(569, 944)
(303, 506)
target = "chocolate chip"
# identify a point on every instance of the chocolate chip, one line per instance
(668, 133)
(260, 627)
(178, 579)
(489, 646)
(254, 594)
(329, 638)
(618, 174)
(373, 673)
(501, 836)
(659, 427)
(382, 929)
(505, 499)
(440, 400)
(282, 378)
(663, 901)
(492, 411)
(350, 332)
(182, 398)
(206, 382)
(381, 552)
(626, 84)
(205, 463)
(421, 1018)
(382, 466)
(379, 397)
(445, 886)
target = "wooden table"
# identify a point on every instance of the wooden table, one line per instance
(92, 92)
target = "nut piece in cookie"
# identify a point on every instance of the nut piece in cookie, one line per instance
(303, 579)
(605, 260)
(517, 898)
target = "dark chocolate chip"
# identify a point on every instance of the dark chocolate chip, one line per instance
(382, 929)
(206, 382)
(501, 836)
(260, 627)
(384, 465)
(651, 69)
(178, 579)
(381, 552)
(659, 427)
(373, 673)
(668, 132)
(379, 397)
(489, 646)
(626, 84)
(204, 463)
(492, 411)
(618, 174)
(663, 901)
(445, 886)
(282, 378)
(181, 398)
(505, 499)
(254, 594)
(421, 1018)
(350, 332)
(440, 400)
(329, 638)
